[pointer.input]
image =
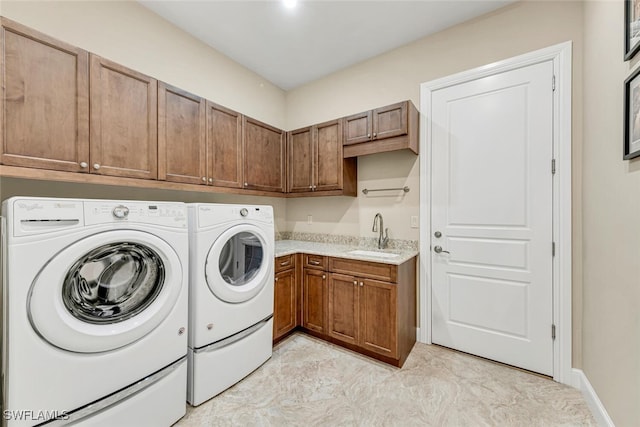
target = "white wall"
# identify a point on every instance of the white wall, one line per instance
(611, 227)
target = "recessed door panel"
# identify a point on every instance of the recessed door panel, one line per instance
(492, 217)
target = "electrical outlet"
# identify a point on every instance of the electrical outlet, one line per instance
(414, 222)
(309, 219)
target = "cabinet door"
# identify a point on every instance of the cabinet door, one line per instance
(390, 121)
(181, 136)
(343, 320)
(224, 146)
(263, 153)
(300, 148)
(45, 101)
(284, 310)
(357, 128)
(378, 317)
(328, 156)
(124, 121)
(314, 304)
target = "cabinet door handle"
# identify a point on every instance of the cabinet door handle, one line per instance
(204, 179)
(324, 277)
(375, 134)
(246, 184)
(368, 135)
(314, 262)
(283, 263)
(210, 179)
(83, 164)
(96, 166)
(355, 282)
(276, 279)
(361, 284)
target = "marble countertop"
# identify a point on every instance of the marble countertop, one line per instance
(288, 247)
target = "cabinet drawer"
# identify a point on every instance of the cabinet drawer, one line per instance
(315, 261)
(285, 262)
(373, 270)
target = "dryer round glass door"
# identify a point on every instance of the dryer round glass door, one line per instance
(105, 291)
(239, 263)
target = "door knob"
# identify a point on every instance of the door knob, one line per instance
(96, 166)
(83, 164)
(438, 250)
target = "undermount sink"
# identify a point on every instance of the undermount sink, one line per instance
(373, 254)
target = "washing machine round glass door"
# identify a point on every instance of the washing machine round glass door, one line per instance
(105, 291)
(239, 263)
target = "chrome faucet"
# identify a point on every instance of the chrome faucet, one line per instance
(382, 241)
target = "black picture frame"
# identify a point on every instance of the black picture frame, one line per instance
(631, 28)
(632, 116)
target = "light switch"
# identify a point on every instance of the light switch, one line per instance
(309, 219)
(414, 222)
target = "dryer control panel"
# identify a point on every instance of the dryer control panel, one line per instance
(212, 214)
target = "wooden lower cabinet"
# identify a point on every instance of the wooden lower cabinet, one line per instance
(284, 310)
(314, 301)
(378, 317)
(343, 319)
(365, 306)
(363, 312)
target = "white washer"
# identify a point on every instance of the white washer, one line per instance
(95, 301)
(230, 297)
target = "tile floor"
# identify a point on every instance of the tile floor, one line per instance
(309, 382)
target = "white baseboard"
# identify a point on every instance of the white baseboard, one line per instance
(581, 382)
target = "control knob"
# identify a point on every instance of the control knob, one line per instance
(121, 211)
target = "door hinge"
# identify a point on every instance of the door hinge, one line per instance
(553, 166)
(553, 332)
(553, 83)
(553, 248)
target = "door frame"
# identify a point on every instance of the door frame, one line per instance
(560, 55)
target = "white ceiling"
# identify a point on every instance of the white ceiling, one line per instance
(290, 47)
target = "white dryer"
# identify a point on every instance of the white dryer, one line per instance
(94, 312)
(231, 295)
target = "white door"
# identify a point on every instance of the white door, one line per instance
(492, 217)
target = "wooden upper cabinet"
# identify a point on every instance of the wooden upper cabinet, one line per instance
(357, 128)
(45, 101)
(224, 146)
(328, 159)
(181, 136)
(389, 128)
(315, 158)
(124, 121)
(263, 153)
(390, 121)
(301, 156)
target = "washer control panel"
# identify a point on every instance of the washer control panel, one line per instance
(167, 214)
